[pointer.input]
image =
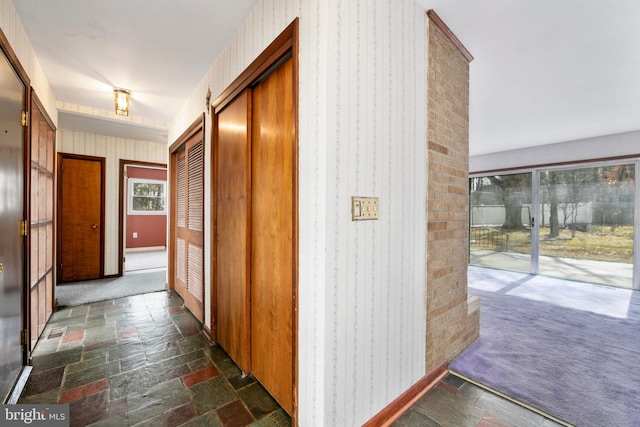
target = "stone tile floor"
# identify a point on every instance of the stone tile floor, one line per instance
(142, 361)
(455, 402)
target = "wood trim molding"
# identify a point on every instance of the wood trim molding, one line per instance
(402, 403)
(43, 111)
(438, 22)
(122, 203)
(196, 126)
(5, 46)
(284, 44)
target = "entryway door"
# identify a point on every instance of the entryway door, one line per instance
(12, 240)
(186, 256)
(254, 231)
(81, 217)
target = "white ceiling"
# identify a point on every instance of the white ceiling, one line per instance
(544, 71)
(158, 49)
(547, 71)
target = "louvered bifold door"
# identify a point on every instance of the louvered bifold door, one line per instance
(189, 232)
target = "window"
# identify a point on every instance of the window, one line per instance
(575, 222)
(147, 197)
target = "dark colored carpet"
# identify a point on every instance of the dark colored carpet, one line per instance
(105, 289)
(570, 349)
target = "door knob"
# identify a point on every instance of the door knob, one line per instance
(1, 267)
(94, 226)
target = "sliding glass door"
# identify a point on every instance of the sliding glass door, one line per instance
(500, 221)
(573, 222)
(586, 224)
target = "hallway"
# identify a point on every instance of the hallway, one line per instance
(141, 360)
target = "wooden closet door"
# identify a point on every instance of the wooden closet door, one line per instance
(189, 224)
(233, 214)
(272, 234)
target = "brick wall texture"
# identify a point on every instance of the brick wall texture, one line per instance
(449, 328)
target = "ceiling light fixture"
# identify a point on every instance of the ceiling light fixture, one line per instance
(121, 101)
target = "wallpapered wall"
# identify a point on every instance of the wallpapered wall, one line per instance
(112, 149)
(362, 115)
(15, 33)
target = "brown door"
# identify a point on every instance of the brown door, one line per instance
(272, 234)
(255, 220)
(233, 180)
(188, 232)
(12, 243)
(81, 207)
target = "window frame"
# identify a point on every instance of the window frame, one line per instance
(130, 196)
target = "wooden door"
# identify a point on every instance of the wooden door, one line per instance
(188, 223)
(81, 218)
(12, 241)
(273, 214)
(232, 177)
(42, 217)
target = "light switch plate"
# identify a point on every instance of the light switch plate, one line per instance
(364, 208)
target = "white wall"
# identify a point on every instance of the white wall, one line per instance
(621, 144)
(362, 121)
(15, 33)
(112, 149)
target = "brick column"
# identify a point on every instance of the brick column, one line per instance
(451, 326)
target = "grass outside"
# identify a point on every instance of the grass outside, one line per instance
(601, 243)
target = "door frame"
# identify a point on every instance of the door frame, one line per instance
(14, 62)
(59, 204)
(122, 211)
(284, 46)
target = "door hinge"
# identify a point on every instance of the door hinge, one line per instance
(25, 119)
(24, 337)
(24, 228)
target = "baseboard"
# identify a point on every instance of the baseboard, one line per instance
(402, 403)
(146, 249)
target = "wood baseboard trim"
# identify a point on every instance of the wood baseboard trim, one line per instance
(403, 402)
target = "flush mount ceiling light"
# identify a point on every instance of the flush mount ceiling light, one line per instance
(121, 101)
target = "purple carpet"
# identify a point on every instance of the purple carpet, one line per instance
(567, 348)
